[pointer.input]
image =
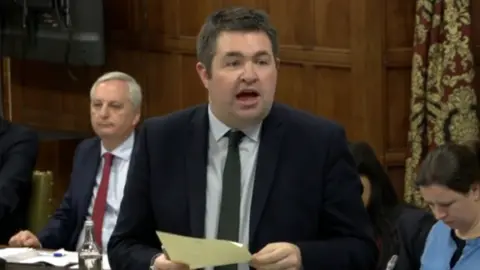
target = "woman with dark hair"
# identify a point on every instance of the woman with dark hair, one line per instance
(449, 181)
(400, 229)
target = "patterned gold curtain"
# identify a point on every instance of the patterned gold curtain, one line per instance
(443, 101)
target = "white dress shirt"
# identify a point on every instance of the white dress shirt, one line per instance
(217, 154)
(118, 178)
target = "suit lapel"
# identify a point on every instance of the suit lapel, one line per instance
(268, 153)
(91, 162)
(85, 178)
(196, 164)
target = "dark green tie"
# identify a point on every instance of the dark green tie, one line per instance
(228, 223)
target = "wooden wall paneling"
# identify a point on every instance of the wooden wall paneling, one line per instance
(367, 89)
(5, 69)
(45, 97)
(338, 60)
(54, 155)
(313, 56)
(400, 21)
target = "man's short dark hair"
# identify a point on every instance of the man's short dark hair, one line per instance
(239, 19)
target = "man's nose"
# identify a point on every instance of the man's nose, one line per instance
(104, 111)
(249, 74)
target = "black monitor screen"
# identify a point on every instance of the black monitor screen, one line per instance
(59, 31)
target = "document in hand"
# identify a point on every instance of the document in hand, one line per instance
(200, 253)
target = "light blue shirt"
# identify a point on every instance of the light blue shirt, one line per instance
(440, 247)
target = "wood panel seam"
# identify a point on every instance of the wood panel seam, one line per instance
(294, 54)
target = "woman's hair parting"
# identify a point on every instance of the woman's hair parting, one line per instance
(453, 165)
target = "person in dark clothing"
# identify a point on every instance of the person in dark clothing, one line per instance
(18, 155)
(400, 229)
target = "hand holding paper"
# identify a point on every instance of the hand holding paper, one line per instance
(164, 263)
(279, 255)
(200, 253)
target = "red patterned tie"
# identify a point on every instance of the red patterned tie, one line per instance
(101, 199)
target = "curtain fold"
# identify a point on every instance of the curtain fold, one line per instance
(443, 102)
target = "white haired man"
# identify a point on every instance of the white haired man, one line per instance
(99, 170)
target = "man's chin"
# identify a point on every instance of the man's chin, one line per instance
(251, 117)
(106, 133)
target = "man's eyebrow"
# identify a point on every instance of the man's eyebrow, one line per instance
(233, 54)
(262, 53)
(239, 54)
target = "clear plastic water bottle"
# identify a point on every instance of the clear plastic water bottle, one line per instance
(89, 254)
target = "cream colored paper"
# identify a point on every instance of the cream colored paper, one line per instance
(200, 253)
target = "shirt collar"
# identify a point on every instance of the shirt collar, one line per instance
(219, 129)
(124, 150)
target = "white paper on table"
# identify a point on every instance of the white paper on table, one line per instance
(17, 254)
(32, 256)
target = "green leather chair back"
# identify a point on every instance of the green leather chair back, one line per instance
(41, 207)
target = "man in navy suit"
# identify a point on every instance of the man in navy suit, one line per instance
(243, 168)
(99, 171)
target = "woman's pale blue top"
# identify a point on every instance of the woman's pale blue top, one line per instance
(440, 247)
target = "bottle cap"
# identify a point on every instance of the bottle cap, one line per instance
(88, 222)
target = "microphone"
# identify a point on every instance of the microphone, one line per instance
(392, 263)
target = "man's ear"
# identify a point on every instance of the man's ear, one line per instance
(137, 117)
(202, 73)
(277, 63)
(475, 191)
